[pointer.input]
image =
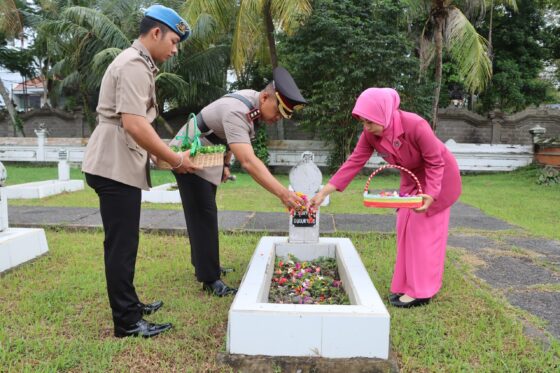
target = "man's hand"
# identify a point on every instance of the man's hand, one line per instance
(185, 164)
(291, 200)
(428, 200)
(226, 174)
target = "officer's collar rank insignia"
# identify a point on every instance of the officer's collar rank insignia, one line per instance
(254, 115)
(148, 59)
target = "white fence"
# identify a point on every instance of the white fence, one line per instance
(471, 157)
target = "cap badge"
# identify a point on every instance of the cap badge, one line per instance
(182, 27)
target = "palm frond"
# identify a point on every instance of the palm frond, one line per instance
(220, 10)
(290, 14)
(172, 86)
(249, 33)
(11, 21)
(98, 24)
(71, 81)
(102, 60)
(468, 49)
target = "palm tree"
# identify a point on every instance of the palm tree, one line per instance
(255, 24)
(91, 37)
(11, 26)
(492, 3)
(447, 26)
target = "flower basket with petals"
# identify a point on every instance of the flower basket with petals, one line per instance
(201, 156)
(392, 199)
(307, 282)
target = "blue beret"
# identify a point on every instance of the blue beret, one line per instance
(170, 18)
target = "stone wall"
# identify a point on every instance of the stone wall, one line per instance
(464, 126)
(58, 122)
(460, 125)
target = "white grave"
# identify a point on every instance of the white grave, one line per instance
(17, 245)
(46, 188)
(164, 193)
(257, 327)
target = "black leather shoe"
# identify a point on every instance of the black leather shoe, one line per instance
(142, 328)
(413, 303)
(394, 296)
(148, 309)
(218, 288)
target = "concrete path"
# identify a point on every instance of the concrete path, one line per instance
(524, 269)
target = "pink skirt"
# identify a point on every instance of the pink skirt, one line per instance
(421, 244)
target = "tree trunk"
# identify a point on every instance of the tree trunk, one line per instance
(11, 109)
(490, 49)
(438, 38)
(270, 34)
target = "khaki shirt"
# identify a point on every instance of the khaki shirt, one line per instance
(227, 118)
(128, 86)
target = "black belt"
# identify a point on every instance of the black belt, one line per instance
(212, 137)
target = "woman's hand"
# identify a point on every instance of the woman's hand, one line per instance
(321, 195)
(427, 201)
(317, 200)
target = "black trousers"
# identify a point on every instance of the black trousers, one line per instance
(119, 205)
(201, 214)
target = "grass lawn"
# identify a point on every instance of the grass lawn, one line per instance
(513, 196)
(54, 314)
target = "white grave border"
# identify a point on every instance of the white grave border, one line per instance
(256, 327)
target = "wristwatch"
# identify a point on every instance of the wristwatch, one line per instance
(227, 165)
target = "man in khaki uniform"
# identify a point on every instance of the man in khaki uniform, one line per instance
(117, 155)
(230, 121)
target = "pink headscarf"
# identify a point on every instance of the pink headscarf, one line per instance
(379, 105)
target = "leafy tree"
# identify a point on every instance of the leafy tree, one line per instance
(521, 44)
(345, 47)
(447, 26)
(11, 26)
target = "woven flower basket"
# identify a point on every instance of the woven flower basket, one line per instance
(394, 200)
(199, 160)
(201, 156)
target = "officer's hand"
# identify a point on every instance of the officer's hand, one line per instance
(226, 174)
(291, 200)
(187, 166)
(427, 199)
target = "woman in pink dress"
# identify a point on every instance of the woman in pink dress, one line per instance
(405, 139)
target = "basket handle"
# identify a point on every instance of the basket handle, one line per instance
(366, 188)
(194, 143)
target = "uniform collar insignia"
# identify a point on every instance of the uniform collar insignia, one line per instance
(254, 115)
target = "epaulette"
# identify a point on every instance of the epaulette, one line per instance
(253, 115)
(148, 59)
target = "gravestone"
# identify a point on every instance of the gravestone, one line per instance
(17, 245)
(305, 178)
(63, 166)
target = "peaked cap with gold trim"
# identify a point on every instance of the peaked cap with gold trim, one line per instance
(288, 94)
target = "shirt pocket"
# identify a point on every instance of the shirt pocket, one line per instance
(130, 143)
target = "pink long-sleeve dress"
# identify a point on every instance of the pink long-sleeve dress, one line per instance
(421, 237)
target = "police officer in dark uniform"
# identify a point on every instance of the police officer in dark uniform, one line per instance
(117, 156)
(230, 121)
